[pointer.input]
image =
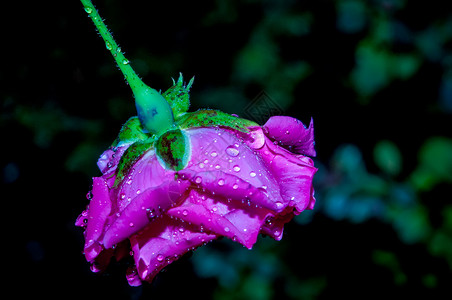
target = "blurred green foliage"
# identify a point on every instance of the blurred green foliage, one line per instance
(375, 75)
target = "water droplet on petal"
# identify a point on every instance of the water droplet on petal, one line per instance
(279, 204)
(226, 229)
(125, 61)
(201, 165)
(287, 132)
(232, 151)
(131, 224)
(160, 257)
(221, 182)
(88, 10)
(198, 179)
(213, 154)
(122, 196)
(108, 46)
(185, 212)
(138, 192)
(252, 174)
(236, 168)
(235, 186)
(217, 167)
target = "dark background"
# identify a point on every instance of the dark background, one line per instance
(376, 76)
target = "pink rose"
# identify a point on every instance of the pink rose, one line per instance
(235, 184)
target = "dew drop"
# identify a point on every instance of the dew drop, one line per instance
(201, 165)
(122, 196)
(232, 151)
(88, 10)
(235, 186)
(138, 192)
(185, 212)
(125, 61)
(131, 224)
(226, 229)
(279, 204)
(221, 182)
(198, 179)
(217, 167)
(236, 168)
(252, 174)
(160, 257)
(108, 46)
(213, 154)
(287, 132)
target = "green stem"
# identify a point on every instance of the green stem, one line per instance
(153, 110)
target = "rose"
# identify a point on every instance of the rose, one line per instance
(235, 181)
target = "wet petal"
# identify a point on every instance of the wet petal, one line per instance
(99, 209)
(147, 173)
(291, 134)
(144, 208)
(232, 187)
(108, 161)
(162, 242)
(238, 221)
(294, 175)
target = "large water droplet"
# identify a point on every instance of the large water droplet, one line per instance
(198, 179)
(236, 168)
(185, 212)
(108, 46)
(232, 151)
(138, 192)
(252, 174)
(213, 154)
(221, 182)
(235, 186)
(125, 61)
(226, 229)
(88, 10)
(160, 257)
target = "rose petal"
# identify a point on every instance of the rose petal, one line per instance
(99, 209)
(108, 161)
(291, 134)
(234, 188)
(162, 242)
(294, 175)
(235, 220)
(147, 173)
(146, 206)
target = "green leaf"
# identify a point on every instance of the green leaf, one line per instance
(173, 149)
(214, 118)
(131, 132)
(130, 157)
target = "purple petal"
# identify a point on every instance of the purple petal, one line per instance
(162, 242)
(147, 173)
(235, 220)
(108, 161)
(294, 174)
(143, 209)
(233, 188)
(99, 209)
(291, 134)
